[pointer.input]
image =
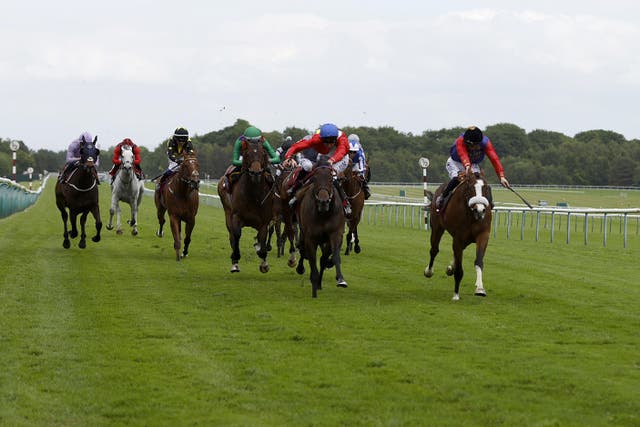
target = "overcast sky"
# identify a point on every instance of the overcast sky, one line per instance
(140, 68)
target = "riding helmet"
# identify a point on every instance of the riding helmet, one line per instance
(473, 135)
(252, 133)
(181, 134)
(328, 130)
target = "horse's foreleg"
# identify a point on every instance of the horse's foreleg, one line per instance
(73, 218)
(96, 216)
(160, 213)
(314, 275)
(83, 235)
(175, 231)
(262, 250)
(336, 244)
(235, 232)
(356, 240)
(436, 235)
(349, 242)
(134, 216)
(481, 247)
(112, 211)
(188, 228)
(458, 250)
(65, 216)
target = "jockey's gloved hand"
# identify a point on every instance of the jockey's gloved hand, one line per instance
(504, 182)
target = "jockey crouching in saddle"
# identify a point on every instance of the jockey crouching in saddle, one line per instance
(178, 145)
(117, 161)
(467, 152)
(73, 155)
(359, 161)
(250, 134)
(326, 139)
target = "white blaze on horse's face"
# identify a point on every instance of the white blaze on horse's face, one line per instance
(478, 202)
(127, 158)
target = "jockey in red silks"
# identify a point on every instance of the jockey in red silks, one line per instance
(117, 152)
(326, 139)
(467, 152)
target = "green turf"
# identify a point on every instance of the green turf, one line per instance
(121, 334)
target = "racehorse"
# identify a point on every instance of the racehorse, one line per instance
(321, 220)
(178, 196)
(249, 203)
(283, 215)
(126, 187)
(79, 194)
(467, 217)
(352, 184)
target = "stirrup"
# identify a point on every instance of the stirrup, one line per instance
(292, 202)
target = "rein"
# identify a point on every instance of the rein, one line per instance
(80, 189)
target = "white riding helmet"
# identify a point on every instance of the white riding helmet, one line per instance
(353, 137)
(354, 145)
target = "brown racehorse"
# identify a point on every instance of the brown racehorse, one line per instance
(321, 219)
(352, 184)
(178, 196)
(283, 216)
(249, 203)
(79, 194)
(467, 217)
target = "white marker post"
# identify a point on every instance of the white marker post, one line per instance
(30, 172)
(424, 164)
(14, 146)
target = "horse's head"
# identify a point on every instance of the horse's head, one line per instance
(127, 157)
(189, 171)
(477, 190)
(323, 184)
(88, 152)
(254, 159)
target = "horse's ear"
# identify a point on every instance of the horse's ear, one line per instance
(95, 139)
(83, 141)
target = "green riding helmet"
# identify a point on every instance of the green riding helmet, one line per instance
(252, 133)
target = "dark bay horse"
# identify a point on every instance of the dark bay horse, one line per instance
(352, 184)
(283, 216)
(467, 217)
(321, 220)
(249, 203)
(179, 197)
(79, 194)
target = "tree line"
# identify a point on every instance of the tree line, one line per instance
(594, 157)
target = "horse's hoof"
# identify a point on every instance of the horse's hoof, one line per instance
(300, 269)
(82, 244)
(456, 297)
(109, 227)
(119, 232)
(134, 232)
(292, 262)
(480, 292)
(428, 273)
(73, 234)
(264, 268)
(235, 268)
(66, 244)
(159, 234)
(449, 271)
(357, 249)
(95, 239)
(342, 283)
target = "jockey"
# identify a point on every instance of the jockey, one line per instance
(250, 134)
(467, 152)
(73, 154)
(178, 145)
(282, 150)
(359, 160)
(117, 152)
(326, 139)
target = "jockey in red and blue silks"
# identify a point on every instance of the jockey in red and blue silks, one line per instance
(359, 161)
(466, 153)
(327, 139)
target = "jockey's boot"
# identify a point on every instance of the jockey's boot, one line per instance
(442, 197)
(138, 171)
(343, 196)
(295, 187)
(365, 188)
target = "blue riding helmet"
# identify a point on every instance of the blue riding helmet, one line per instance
(328, 130)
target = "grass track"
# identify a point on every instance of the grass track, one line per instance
(119, 333)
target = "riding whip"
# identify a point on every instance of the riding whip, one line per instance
(521, 198)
